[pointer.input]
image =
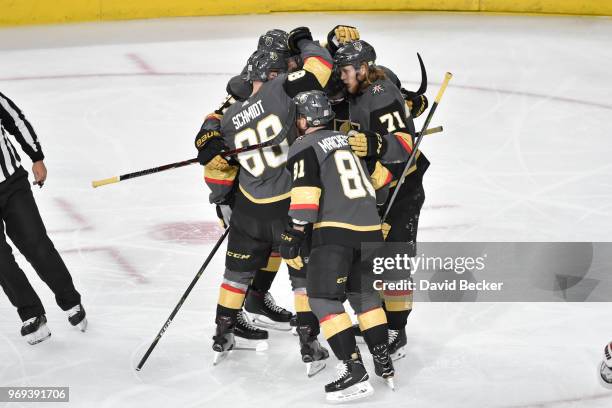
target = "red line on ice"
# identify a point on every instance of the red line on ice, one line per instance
(141, 63)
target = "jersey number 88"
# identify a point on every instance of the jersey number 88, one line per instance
(255, 161)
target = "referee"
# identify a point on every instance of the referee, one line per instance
(25, 228)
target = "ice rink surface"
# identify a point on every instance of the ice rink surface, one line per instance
(525, 156)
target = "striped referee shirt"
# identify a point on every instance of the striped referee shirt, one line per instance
(13, 122)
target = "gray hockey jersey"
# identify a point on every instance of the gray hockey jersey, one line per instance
(332, 190)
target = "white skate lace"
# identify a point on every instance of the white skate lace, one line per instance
(73, 311)
(245, 322)
(29, 321)
(342, 370)
(271, 304)
(393, 335)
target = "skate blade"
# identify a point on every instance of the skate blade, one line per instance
(399, 354)
(82, 325)
(390, 382)
(251, 345)
(265, 323)
(315, 367)
(40, 335)
(359, 340)
(220, 356)
(294, 331)
(358, 391)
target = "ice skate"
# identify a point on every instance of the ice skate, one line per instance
(352, 383)
(312, 352)
(35, 330)
(247, 336)
(397, 344)
(383, 364)
(264, 312)
(76, 317)
(606, 374)
(223, 340)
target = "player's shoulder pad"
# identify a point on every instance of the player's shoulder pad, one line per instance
(391, 76)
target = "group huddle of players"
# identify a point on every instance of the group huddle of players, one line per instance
(338, 132)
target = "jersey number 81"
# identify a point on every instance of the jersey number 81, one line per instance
(354, 182)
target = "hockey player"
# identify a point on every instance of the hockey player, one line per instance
(385, 132)
(606, 365)
(332, 192)
(260, 305)
(262, 190)
(416, 102)
(25, 227)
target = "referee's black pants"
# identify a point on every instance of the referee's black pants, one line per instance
(24, 226)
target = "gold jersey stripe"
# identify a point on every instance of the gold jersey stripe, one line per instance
(301, 303)
(347, 226)
(264, 200)
(335, 325)
(305, 195)
(372, 318)
(319, 68)
(379, 176)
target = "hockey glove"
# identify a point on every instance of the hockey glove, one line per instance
(291, 242)
(366, 144)
(415, 102)
(224, 212)
(295, 36)
(341, 35)
(211, 149)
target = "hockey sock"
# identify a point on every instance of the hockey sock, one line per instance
(373, 325)
(264, 277)
(231, 297)
(305, 316)
(337, 329)
(398, 305)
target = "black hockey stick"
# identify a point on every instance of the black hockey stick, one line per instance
(447, 78)
(182, 300)
(116, 179)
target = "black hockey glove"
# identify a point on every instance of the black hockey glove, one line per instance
(367, 144)
(417, 103)
(210, 150)
(291, 242)
(295, 36)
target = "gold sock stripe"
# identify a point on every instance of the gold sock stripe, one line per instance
(372, 318)
(273, 265)
(334, 324)
(230, 297)
(398, 303)
(301, 303)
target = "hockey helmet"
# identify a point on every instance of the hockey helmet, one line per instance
(261, 63)
(355, 53)
(314, 106)
(274, 40)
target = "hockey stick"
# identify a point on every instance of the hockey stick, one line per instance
(447, 78)
(116, 179)
(182, 300)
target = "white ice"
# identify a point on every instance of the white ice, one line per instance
(525, 156)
